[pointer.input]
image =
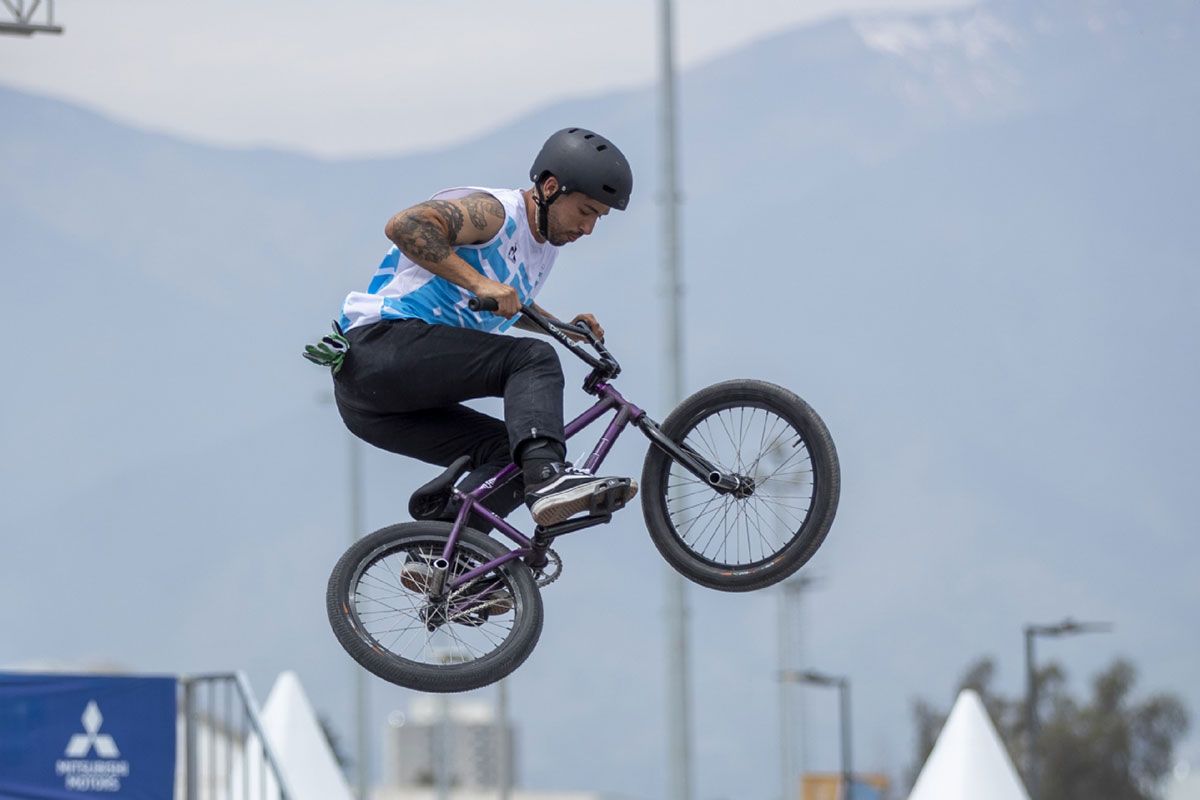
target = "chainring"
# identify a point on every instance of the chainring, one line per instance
(551, 571)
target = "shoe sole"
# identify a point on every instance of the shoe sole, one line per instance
(564, 505)
(415, 578)
(495, 606)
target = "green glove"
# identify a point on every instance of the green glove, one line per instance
(330, 351)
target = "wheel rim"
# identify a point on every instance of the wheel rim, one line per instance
(395, 619)
(750, 440)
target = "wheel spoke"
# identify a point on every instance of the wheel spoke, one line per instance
(398, 619)
(731, 530)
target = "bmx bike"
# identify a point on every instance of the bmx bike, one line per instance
(739, 488)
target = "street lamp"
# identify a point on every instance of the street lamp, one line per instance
(355, 494)
(792, 589)
(843, 686)
(1068, 627)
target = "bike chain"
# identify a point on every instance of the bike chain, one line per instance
(551, 572)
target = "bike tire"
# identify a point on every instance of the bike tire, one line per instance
(347, 604)
(684, 425)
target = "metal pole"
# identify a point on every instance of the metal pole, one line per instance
(678, 683)
(442, 764)
(191, 791)
(360, 674)
(785, 710)
(789, 630)
(1031, 723)
(847, 764)
(251, 706)
(505, 744)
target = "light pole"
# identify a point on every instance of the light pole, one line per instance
(354, 493)
(23, 22)
(1068, 627)
(789, 598)
(360, 674)
(842, 684)
(679, 772)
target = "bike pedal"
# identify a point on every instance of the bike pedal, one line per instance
(609, 497)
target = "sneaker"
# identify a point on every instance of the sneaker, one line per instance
(495, 603)
(570, 491)
(416, 575)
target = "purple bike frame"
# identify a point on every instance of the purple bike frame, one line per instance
(610, 399)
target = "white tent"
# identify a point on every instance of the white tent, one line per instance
(305, 758)
(968, 759)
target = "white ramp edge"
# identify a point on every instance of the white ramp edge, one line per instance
(968, 759)
(305, 758)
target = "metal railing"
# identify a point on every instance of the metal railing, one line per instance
(225, 752)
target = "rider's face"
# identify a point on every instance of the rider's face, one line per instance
(572, 216)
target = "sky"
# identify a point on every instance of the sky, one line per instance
(214, 72)
(375, 76)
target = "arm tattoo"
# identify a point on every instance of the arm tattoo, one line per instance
(449, 213)
(422, 239)
(480, 206)
(419, 238)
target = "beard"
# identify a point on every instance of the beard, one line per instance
(557, 234)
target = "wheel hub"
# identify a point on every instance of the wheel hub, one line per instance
(745, 487)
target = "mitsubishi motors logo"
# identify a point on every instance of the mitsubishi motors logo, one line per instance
(82, 743)
(81, 774)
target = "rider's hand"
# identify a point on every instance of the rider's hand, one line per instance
(591, 323)
(330, 351)
(502, 293)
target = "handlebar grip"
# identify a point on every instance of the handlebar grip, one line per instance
(483, 304)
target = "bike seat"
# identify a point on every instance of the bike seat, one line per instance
(430, 501)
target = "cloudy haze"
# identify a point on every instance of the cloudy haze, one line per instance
(968, 239)
(372, 76)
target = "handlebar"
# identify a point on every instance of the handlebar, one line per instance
(605, 364)
(483, 304)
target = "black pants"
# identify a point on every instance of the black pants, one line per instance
(403, 382)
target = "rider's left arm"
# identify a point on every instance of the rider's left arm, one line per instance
(526, 325)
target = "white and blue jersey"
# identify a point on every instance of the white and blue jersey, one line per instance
(402, 289)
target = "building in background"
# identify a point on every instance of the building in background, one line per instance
(477, 747)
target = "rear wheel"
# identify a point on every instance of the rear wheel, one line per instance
(474, 635)
(787, 467)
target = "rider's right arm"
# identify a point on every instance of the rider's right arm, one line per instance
(428, 232)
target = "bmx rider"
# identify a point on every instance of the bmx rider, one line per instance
(408, 351)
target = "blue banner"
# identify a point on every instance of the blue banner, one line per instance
(72, 736)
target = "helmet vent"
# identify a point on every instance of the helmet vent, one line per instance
(589, 136)
(608, 189)
(572, 130)
(601, 147)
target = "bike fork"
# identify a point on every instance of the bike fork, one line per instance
(437, 581)
(688, 458)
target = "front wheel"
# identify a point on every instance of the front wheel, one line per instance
(473, 635)
(789, 483)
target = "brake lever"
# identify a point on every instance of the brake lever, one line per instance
(586, 330)
(581, 328)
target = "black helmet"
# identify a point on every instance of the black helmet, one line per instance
(584, 162)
